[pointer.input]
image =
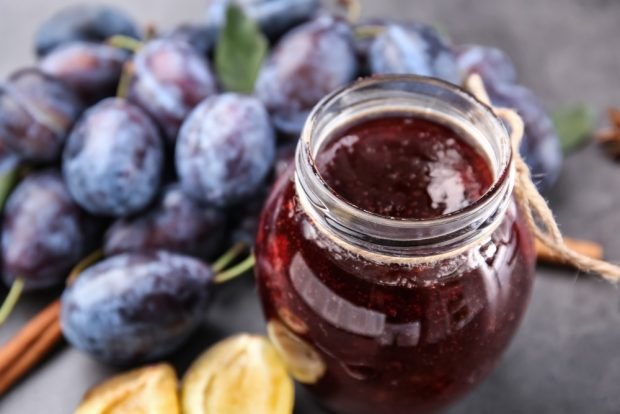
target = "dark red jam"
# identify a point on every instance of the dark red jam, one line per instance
(404, 167)
(395, 335)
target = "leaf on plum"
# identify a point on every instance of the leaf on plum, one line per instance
(8, 180)
(574, 125)
(240, 51)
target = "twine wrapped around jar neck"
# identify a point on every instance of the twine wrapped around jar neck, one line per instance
(536, 211)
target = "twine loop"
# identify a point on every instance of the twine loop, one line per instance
(536, 211)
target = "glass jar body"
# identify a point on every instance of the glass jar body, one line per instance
(391, 334)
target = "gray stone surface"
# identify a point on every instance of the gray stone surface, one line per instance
(566, 357)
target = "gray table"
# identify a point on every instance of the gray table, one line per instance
(566, 356)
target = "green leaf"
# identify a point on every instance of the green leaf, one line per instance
(7, 182)
(575, 124)
(239, 52)
(443, 32)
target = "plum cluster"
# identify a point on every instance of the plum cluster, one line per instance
(136, 147)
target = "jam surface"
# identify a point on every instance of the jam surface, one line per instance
(404, 167)
(393, 336)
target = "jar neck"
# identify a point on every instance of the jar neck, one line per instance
(428, 98)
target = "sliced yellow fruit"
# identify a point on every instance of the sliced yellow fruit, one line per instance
(292, 321)
(301, 359)
(240, 375)
(148, 390)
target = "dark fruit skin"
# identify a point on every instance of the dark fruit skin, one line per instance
(225, 149)
(176, 223)
(136, 307)
(43, 233)
(85, 22)
(285, 157)
(9, 161)
(201, 37)
(36, 114)
(243, 218)
(414, 49)
(540, 147)
(274, 17)
(113, 159)
(309, 62)
(170, 79)
(365, 33)
(488, 62)
(91, 69)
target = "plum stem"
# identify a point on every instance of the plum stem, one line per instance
(125, 80)
(368, 31)
(150, 31)
(11, 300)
(235, 271)
(353, 9)
(83, 265)
(125, 42)
(227, 257)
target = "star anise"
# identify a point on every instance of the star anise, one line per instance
(610, 138)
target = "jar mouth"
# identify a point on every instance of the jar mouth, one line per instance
(429, 98)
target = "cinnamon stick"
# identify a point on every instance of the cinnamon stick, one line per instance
(29, 346)
(11, 350)
(35, 340)
(584, 247)
(614, 116)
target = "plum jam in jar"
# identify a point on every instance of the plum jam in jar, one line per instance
(393, 264)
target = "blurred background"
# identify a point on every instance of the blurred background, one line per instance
(565, 357)
(563, 49)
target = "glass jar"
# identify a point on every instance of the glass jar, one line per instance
(384, 315)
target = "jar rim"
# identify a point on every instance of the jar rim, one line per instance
(412, 232)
